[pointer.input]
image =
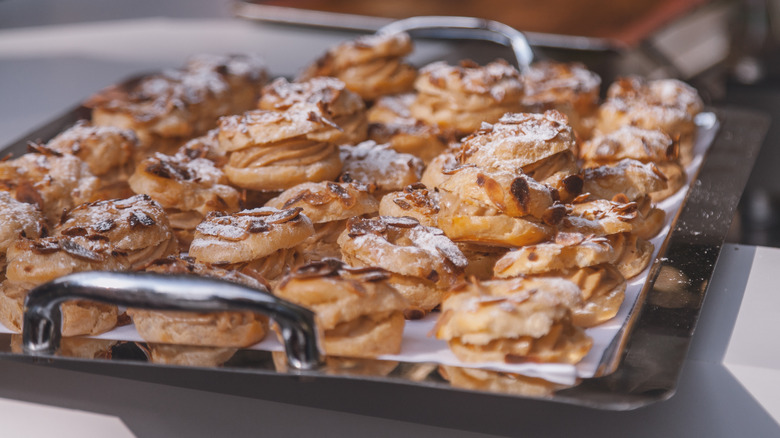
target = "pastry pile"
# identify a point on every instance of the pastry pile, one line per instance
(512, 207)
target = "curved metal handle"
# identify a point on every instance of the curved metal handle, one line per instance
(42, 318)
(467, 28)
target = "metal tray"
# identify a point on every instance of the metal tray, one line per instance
(646, 357)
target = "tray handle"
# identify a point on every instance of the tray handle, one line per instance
(42, 317)
(471, 28)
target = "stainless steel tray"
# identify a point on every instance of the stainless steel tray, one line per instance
(646, 357)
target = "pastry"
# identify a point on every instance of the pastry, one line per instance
(423, 262)
(168, 108)
(357, 310)
(18, 220)
(328, 205)
(217, 329)
(462, 97)
(340, 106)
(497, 208)
(34, 262)
(391, 121)
(186, 188)
(260, 239)
(107, 151)
(513, 320)
(644, 145)
(519, 140)
(51, 181)
(371, 65)
(137, 227)
(380, 165)
(666, 104)
(415, 201)
(569, 88)
(273, 150)
(629, 177)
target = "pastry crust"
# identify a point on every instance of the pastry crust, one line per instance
(186, 188)
(51, 181)
(567, 87)
(666, 104)
(414, 201)
(564, 255)
(425, 263)
(327, 201)
(371, 66)
(166, 108)
(217, 329)
(339, 105)
(137, 226)
(107, 151)
(248, 235)
(380, 165)
(359, 313)
(514, 320)
(629, 177)
(518, 140)
(462, 97)
(34, 262)
(391, 121)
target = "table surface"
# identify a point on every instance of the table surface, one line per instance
(55, 53)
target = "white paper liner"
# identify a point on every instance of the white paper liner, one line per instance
(418, 346)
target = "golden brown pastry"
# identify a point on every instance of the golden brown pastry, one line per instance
(414, 201)
(462, 97)
(439, 169)
(422, 261)
(34, 262)
(514, 320)
(337, 104)
(137, 227)
(632, 253)
(186, 188)
(171, 107)
(646, 146)
(565, 254)
(18, 220)
(380, 165)
(559, 171)
(328, 205)
(585, 261)
(666, 104)
(260, 239)
(108, 151)
(371, 66)
(629, 177)
(359, 313)
(497, 208)
(217, 329)
(52, 182)
(273, 150)
(519, 140)
(205, 146)
(567, 87)
(391, 122)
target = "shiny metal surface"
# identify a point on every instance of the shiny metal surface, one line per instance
(288, 15)
(648, 356)
(42, 317)
(442, 27)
